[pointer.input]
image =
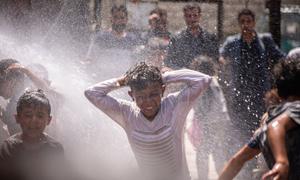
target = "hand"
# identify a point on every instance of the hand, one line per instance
(280, 171)
(122, 80)
(165, 69)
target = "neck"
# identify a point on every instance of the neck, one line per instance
(194, 30)
(31, 139)
(248, 37)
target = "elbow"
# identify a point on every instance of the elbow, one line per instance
(87, 94)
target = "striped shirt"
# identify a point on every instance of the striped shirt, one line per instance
(157, 144)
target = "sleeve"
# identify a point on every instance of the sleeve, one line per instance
(254, 143)
(196, 83)
(274, 52)
(114, 108)
(294, 112)
(224, 49)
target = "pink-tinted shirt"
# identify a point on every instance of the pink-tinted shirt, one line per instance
(158, 144)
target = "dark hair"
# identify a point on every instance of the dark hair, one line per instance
(4, 64)
(35, 98)
(121, 8)
(205, 65)
(287, 77)
(192, 6)
(139, 76)
(246, 12)
(158, 11)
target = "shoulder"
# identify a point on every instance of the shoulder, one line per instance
(10, 146)
(293, 111)
(209, 36)
(179, 35)
(53, 143)
(232, 39)
(265, 37)
(102, 35)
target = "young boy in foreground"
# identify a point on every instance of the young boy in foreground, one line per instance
(31, 154)
(154, 124)
(278, 138)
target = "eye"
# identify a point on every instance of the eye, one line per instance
(28, 115)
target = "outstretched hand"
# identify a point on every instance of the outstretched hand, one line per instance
(280, 171)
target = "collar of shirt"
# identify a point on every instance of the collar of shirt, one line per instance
(188, 33)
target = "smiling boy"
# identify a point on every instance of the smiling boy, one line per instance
(31, 154)
(154, 124)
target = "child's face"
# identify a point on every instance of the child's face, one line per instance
(148, 99)
(33, 120)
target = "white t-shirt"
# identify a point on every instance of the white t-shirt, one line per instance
(157, 144)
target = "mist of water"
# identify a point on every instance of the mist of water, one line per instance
(93, 142)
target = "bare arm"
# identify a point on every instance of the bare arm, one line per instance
(40, 83)
(276, 136)
(233, 167)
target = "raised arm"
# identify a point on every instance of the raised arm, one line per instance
(196, 82)
(98, 95)
(40, 83)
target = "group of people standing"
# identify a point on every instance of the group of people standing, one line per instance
(230, 82)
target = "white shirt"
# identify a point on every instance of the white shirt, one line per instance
(157, 144)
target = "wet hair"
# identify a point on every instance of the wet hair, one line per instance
(192, 6)
(139, 76)
(246, 12)
(205, 65)
(35, 98)
(116, 9)
(4, 64)
(287, 77)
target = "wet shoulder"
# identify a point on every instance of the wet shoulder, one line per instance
(291, 108)
(53, 143)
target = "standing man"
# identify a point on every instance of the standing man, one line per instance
(247, 59)
(191, 42)
(118, 36)
(158, 26)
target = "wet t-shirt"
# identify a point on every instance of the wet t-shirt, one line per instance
(19, 160)
(259, 140)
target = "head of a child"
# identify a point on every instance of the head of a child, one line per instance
(33, 114)
(287, 78)
(8, 78)
(204, 64)
(146, 88)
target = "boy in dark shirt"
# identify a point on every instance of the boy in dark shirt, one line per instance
(278, 138)
(32, 154)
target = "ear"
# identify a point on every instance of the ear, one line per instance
(49, 120)
(131, 94)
